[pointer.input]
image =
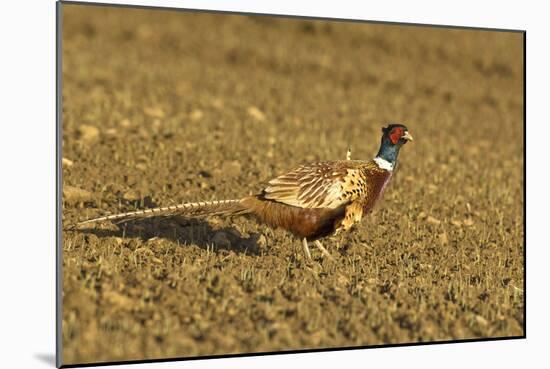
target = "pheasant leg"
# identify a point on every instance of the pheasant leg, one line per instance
(323, 250)
(305, 247)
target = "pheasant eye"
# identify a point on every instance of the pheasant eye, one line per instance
(396, 134)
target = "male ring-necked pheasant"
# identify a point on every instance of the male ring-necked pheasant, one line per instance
(312, 201)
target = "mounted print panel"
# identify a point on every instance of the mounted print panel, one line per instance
(240, 184)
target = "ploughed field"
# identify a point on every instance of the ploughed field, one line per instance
(161, 108)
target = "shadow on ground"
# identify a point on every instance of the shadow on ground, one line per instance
(183, 231)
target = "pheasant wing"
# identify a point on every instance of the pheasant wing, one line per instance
(320, 185)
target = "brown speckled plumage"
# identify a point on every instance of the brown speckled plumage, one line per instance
(319, 199)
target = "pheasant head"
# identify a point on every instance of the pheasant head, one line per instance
(394, 136)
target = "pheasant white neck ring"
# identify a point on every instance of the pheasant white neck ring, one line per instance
(383, 164)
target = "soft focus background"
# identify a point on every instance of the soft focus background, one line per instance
(167, 107)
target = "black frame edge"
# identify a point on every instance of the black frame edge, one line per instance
(525, 184)
(305, 351)
(304, 17)
(58, 184)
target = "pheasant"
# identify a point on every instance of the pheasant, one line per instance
(312, 201)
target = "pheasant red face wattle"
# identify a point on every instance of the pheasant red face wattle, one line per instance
(396, 134)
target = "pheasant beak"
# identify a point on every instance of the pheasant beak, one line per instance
(407, 136)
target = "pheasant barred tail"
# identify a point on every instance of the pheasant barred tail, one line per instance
(192, 209)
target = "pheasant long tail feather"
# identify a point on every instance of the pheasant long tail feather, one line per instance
(191, 209)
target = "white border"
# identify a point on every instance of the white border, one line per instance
(28, 174)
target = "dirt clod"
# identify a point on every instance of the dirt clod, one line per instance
(131, 195)
(433, 220)
(74, 195)
(87, 133)
(154, 111)
(256, 113)
(231, 168)
(66, 163)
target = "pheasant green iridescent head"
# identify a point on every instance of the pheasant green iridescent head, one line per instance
(394, 136)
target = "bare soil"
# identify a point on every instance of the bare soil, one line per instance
(167, 107)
